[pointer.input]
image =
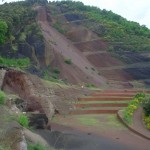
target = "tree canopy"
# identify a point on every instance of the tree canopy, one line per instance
(3, 31)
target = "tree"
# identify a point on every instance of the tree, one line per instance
(3, 31)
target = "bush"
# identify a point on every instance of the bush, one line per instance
(89, 85)
(23, 120)
(146, 105)
(36, 147)
(146, 120)
(56, 70)
(68, 61)
(2, 97)
(132, 106)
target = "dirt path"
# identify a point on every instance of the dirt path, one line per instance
(64, 47)
(96, 132)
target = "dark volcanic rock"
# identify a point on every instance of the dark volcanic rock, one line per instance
(39, 121)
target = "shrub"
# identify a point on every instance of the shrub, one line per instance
(93, 69)
(23, 120)
(2, 97)
(56, 70)
(68, 61)
(89, 85)
(132, 106)
(36, 147)
(146, 105)
(146, 119)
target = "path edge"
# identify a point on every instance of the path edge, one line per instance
(119, 115)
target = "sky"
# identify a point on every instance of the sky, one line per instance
(133, 10)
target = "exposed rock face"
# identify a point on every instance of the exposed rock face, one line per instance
(26, 87)
(37, 96)
(12, 135)
(2, 74)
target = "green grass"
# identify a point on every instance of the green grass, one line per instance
(88, 121)
(12, 62)
(4, 147)
(2, 98)
(23, 120)
(103, 121)
(36, 147)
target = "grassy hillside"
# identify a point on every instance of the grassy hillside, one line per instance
(121, 34)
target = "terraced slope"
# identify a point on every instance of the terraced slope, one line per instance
(104, 102)
(121, 68)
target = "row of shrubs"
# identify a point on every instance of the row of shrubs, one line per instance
(142, 100)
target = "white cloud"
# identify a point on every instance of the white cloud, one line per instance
(134, 10)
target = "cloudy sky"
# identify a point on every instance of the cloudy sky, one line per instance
(134, 10)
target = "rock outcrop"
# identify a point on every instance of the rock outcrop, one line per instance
(34, 93)
(2, 75)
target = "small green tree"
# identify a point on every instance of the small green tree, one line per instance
(3, 31)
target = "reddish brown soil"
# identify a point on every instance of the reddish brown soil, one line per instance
(100, 105)
(114, 94)
(125, 91)
(103, 60)
(86, 112)
(96, 45)
(63, 48)
(103, 107)
(116, 74)
(105, 99)
(81, 35)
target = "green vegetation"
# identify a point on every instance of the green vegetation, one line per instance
(56, 70)
(132, 106)
(36, 147)
(68, 61)
(121, 34)
(90, 85)
(14, 16)
(93, 69)
(53, 77)
(88, 121)
(31, 2)
(23, 120)
(12, 62)
(2, 98)
(146, 120)
(3, 31)
(58, 27)
(146, 105)
(4, 147)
